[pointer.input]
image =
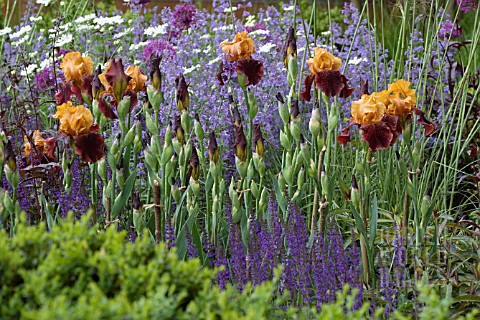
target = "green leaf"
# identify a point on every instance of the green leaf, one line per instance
(124, 195)
(373, 221)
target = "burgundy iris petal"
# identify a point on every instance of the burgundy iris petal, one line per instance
(253, 70)
(90, 147)
(105, 108)
(333, 83)
(305, 95)
(427, 124)
(67, 89)
(344, 137)
(377, 135)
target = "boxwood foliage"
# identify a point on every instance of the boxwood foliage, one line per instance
(75, 271)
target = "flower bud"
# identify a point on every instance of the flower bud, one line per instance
(213, 152)
(186, 121)
(128, 139)
(242, 80)
(283, 111)
(314, 126)
(281, 182)
(354, 193)
(176, 193)
(150, 124)
(263, 199)
(426, 202)
(198, 128)
(253, 106)
(301, 178)
(102, 170)
(254, 189)
(10, 158)
(123, 108)
(284, 141)
(181, 93)
(240, 144)
(242, 167)
(296, 128)
(258, 140)
(155, 74)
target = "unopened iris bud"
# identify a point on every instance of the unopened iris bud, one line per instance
(263, 199)
(240, 144)
(128, 139)
(242, 80)
(332, 122)
(242, 167)
(123, 108)
(150, 124)
(259, 164)
(221, 186)
(119, 171)
(354, 193)
(250, 172)
(296, 128)
(324, 180)
(10, 158)
(198, 128)
(426, 202)
(176, 193)
(155, 73)
(253, 106)
(258, 140)
(213, 152)
(195, 185)
(186, 121)
(284, 141)
(102, 170)
(281, 182)
(137, 144)
(168, 134)
(178, 129)
(254, 189)
(115, 146)
(237, 119)
(305, 150)
(311, 169)
(314, 125)
(301, 178)
(181, 93)
(194, 164)
(283, 111)
(290, 46)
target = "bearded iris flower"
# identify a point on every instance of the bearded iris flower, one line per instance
(382, 116)
(325, 71)
(249, 71)
(74, 120)
(75, 66)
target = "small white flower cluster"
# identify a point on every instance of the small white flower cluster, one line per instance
(44, 2)
(191, 69)
(5, 31)
(28, 70)
(259, 32)
(103, 21)
(266, 47)
(156, 31)
(250, 21)
(137, 46)
(230, 9)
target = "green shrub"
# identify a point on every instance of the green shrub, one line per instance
(75, 271)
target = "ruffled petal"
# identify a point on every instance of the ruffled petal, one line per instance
(90, 147)
(377, 135)
(305, 95)
(253, 70)
(333, 83)
(427, 124)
